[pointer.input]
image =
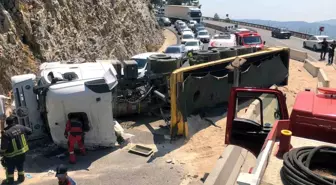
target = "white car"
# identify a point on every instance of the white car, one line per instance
(193, 45)
(192, 23)
(177, 23)
(222, 40)
(141, 59)
(188, 32)
(314, 42)
(187, 37)
(203, 36)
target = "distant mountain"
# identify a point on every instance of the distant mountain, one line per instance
(300, 26)
(331, 22)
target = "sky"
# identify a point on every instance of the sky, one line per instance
(276, 10)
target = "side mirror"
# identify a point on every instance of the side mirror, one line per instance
(264, 42)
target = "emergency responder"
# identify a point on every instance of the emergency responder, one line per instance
(331, 53)
(14, 147)
(324, 49)
(190, 54)
(75, 127)
(62, 176)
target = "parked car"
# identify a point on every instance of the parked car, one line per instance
(192, 23)
(181, 24)
(200, 28)
(176, 51)
(176, 23)
(281, 33)
(314, 42)
(222, 40)
(203, 36)
(165, 21)
(187, 37)
(181, 28)
(196, 26)
(188, 32)
(141, 59)
(193, 45)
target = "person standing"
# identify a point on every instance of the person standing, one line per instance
(324, 49)
(75, 127)
(331, 53)
(13, 148)
(62, 176)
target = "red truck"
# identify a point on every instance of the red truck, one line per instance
(248, 38)
(309, 131)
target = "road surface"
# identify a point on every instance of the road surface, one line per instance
(293, 42)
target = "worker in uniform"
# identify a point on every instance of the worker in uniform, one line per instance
(331, 53)
(190, 54)
(13, 148)
(75, 127)
(62, 176)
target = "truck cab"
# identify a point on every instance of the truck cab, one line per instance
(248, 38)
(253, 113)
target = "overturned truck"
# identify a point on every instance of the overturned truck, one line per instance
(99, 92)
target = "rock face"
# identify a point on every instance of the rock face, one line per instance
(35, 31)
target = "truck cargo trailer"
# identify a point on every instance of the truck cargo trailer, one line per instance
(185, 13)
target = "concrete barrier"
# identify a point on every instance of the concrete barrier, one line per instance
(298, 55)
(322, 79)
(311, 68)
(228, 166)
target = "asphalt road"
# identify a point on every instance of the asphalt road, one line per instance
(293, 42)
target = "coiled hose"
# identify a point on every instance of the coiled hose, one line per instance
(296, 163)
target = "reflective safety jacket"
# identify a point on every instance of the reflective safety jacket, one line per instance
(13, 141)
(74, 126)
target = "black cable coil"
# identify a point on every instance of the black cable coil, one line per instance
(298, 161)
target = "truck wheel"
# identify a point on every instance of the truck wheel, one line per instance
(160, 56)
(314, 48)
(227, 52)
(165, 66)
(204, 56)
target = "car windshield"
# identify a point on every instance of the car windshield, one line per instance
(173, 50)
(252, 40)
(322, 37)
(188, 37)
(165, 19)
(193, 43)
(200, 28)
(141, 62)
(284, 29)
(203, 33)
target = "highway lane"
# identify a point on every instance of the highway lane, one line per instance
(293, 42)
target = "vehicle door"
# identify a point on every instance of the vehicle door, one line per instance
(251, 115)
(311, 41)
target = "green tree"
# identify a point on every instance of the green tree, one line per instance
(216, 17)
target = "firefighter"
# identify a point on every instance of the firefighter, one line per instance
(13, 148)
(62, 176)
(75, 127)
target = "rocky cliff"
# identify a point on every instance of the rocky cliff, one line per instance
(35, 31)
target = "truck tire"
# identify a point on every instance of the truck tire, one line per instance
(165, 66)
(160, 56)
(244, 50)
(226, 52)
(204, 56)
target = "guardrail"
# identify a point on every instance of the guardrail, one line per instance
(270, 28)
